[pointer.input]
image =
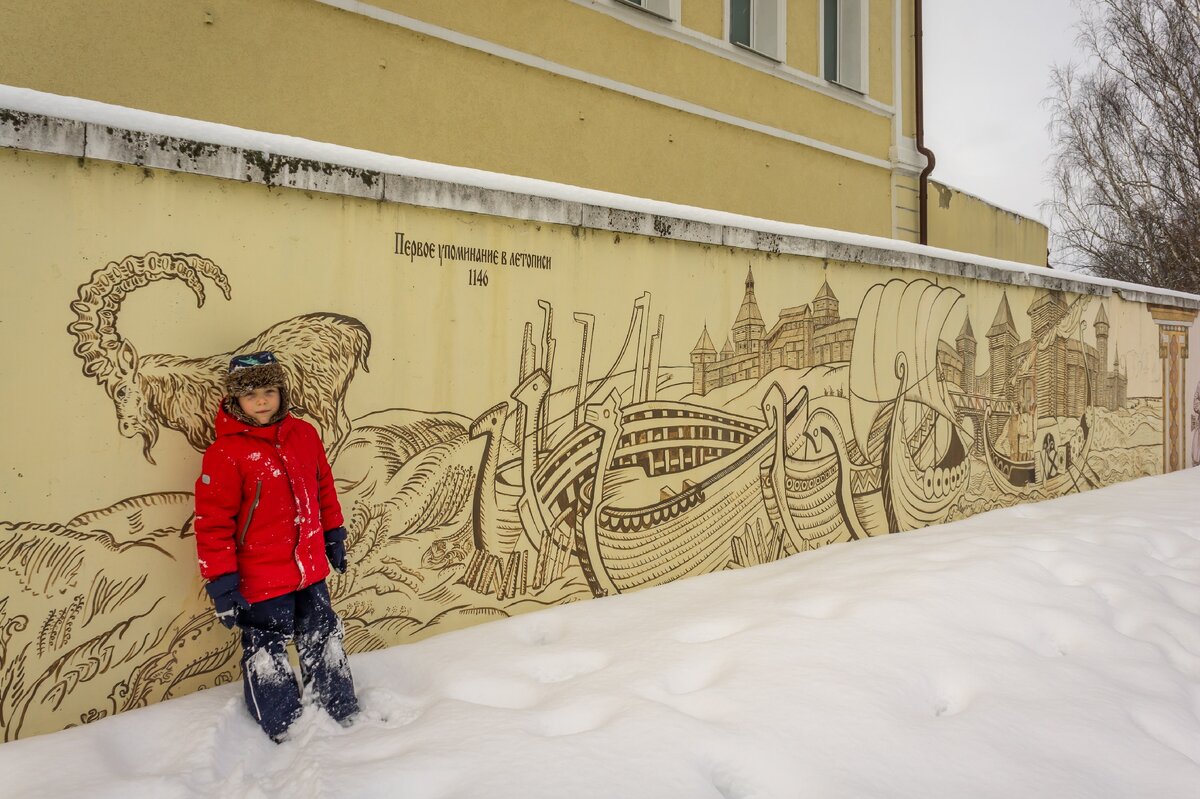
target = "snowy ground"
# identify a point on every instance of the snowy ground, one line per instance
(1050, 650)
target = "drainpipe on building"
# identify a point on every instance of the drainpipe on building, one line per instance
(923, 181)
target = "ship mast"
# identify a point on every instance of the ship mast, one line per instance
(642, 310)
(585, 358)
(655, 355)
(548, 344)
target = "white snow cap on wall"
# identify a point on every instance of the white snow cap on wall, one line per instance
(78, 109)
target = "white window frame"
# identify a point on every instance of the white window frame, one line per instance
(663, 9)
(768, 28)
(853, 22)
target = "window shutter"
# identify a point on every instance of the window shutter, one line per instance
(660, 7)
(764, 18)
(850, 49)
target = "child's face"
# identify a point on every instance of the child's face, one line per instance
(260, 404)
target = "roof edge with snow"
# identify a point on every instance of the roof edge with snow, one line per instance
(47, 123)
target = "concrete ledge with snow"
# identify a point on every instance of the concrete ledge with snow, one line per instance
(1045, 650)
(531, 394)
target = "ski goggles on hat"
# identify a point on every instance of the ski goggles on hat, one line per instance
(265, 358)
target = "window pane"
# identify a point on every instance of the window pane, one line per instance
(739, 22)
(831, 39)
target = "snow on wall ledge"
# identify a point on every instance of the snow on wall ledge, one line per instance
(714, 392)
(43, 122)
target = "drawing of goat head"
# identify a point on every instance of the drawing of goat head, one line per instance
(108, 357)
(149, 391)
(133, 419)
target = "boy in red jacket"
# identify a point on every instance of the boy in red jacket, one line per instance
(268, 526)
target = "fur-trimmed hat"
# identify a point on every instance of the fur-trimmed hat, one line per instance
(251, 371)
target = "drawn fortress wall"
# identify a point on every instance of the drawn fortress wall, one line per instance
(803, 336)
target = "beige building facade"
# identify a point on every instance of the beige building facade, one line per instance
(795, 110)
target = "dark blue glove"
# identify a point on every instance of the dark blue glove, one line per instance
(335, 548)
(226, 598)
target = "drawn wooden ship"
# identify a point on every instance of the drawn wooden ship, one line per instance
(905, 463)
(642, 491)
(1058, 463)
(500, 564)
(643, 532)
(808, 498)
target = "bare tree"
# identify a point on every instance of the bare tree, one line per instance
(1126, 130)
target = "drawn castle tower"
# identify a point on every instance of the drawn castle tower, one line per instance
(1111, 386)
(1002, 339)
(704, 355)
(1045, 312)
(824, 306)
(967, 348)
(748, 328)
(1116, 386)
(1101, 328)
(1050, 362)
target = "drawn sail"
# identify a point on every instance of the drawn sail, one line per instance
(895, 348)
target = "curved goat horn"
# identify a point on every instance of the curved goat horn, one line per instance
(100, 299)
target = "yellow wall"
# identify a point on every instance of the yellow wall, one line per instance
(706, 17)
(908, 73)
(881, 50)
(804, 36)
(101, 606)
(962, 222)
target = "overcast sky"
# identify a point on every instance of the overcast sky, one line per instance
(987, 73)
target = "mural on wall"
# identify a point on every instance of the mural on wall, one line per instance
(1196, 425)
(644, 469)
(103, 616)
(161, 390)
(1174, 326)
(1192, 373)
(97, 627)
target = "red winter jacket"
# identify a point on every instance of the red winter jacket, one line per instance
(264, 500)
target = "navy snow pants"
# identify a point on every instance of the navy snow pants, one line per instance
(272, 695)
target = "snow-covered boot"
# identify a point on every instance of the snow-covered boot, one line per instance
(323, 662)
